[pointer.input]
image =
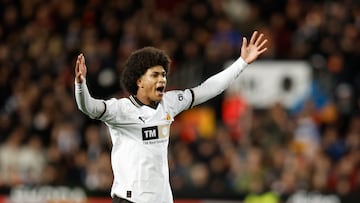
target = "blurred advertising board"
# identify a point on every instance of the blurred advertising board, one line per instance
(65, 194)
(264, 83)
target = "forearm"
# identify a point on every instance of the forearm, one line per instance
(94, 108)
(216, 84)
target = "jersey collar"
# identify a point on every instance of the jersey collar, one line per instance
(139, 104)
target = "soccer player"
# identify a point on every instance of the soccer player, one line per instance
(139, 124)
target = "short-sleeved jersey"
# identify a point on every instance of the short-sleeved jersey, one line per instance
(140, 137)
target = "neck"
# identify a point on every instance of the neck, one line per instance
(145, 101)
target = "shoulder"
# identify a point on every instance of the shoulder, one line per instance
(116, 109)
(115, 103)
(177, 95)
(178, 100)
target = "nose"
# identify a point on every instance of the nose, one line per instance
(162, 79)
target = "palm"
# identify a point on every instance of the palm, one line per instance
(80, 69)
(250, 51)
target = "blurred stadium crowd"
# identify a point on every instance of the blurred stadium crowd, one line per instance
(45, 140)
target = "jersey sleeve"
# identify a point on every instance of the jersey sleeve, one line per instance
(179, 100)
(111, 106)
(217, 83)
(90, 106)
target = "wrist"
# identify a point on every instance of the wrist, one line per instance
(241, 61)
(79, 81)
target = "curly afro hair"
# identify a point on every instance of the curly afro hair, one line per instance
(138, 63)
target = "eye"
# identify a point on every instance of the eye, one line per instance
(157, 74)
(154, 74)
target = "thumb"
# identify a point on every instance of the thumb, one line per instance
(244, 43)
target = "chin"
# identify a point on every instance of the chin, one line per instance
(158, 99)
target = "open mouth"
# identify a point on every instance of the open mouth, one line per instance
(160, 89)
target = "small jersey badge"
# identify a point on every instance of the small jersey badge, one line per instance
(180, 97)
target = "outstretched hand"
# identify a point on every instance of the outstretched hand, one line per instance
(250, 51)
(80, 69)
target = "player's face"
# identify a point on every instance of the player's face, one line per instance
(152, 85)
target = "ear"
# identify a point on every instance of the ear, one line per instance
(139, 83)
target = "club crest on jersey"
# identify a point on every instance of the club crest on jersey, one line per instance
(180, 97)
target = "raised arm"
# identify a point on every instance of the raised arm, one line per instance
(216, 84)
(94, 108)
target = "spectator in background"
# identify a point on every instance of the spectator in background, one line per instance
(32, 161)
(10, 150)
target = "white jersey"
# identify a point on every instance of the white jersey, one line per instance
(140, 134)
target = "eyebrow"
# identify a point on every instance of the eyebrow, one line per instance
(158, 72)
